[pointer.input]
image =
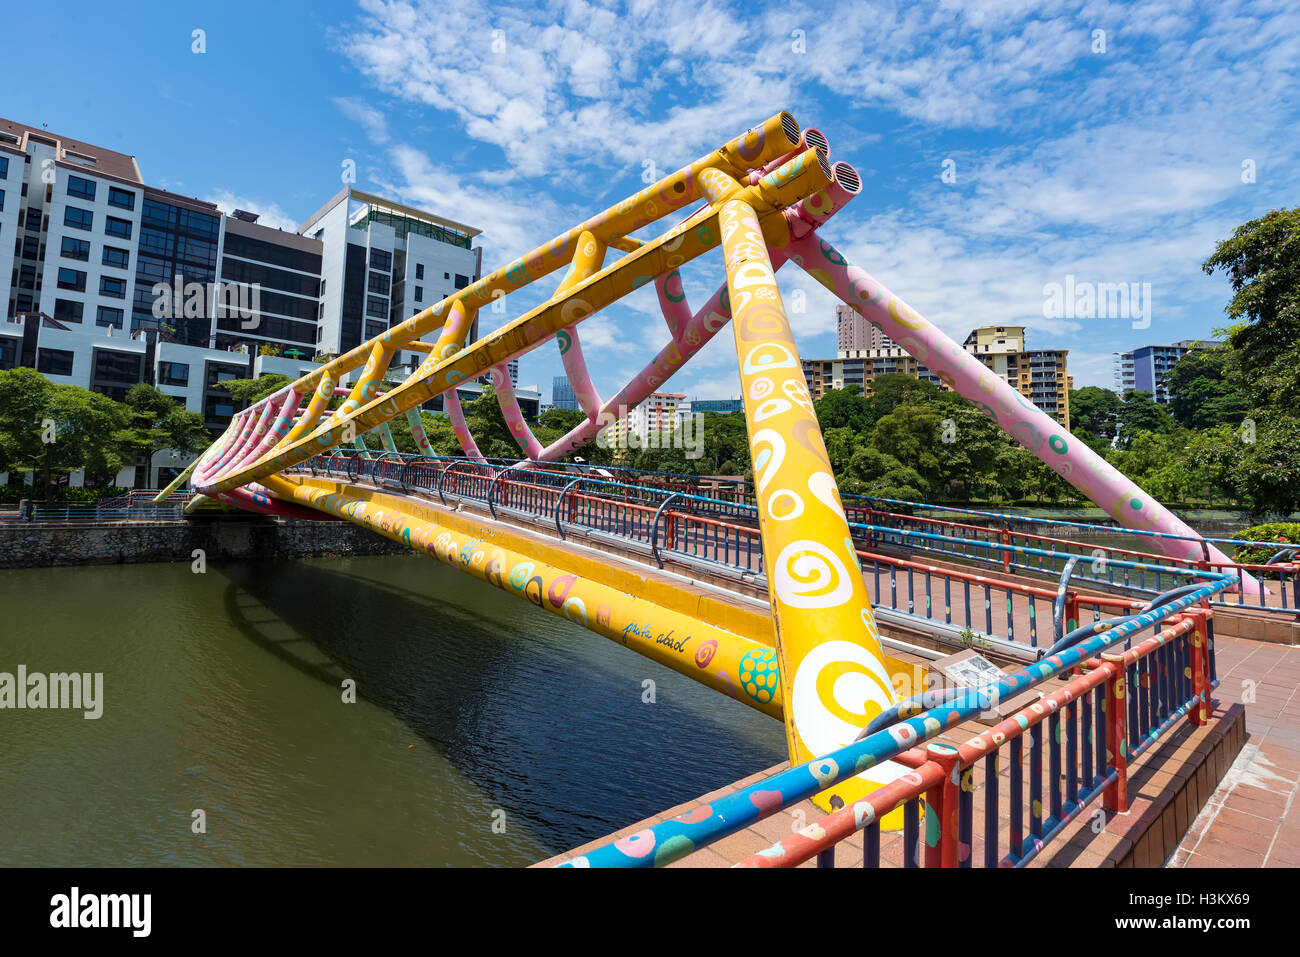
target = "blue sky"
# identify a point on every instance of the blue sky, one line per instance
(1115, 165)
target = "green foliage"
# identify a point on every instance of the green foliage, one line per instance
(254, 390)
(157, 421)
(48, 429)
(1262, 262)
(1284, 533)
(1202, 395)
(1138, 413)
(1095, 412)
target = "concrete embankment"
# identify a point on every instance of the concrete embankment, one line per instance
(41, 545)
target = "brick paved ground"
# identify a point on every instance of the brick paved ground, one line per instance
(1253, 819)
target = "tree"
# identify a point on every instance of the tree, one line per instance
(1095, 412)
(1201, 394)
(156, 421)
(845, 409)
(968, 449)
(253, 390)
(911, 434)
(47, 428)
(1139, 412)
(876, 473)
(893, 389)
(1268, 473)
(1262, 262)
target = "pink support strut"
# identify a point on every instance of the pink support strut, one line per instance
(1050, 441)
(451, 402)
(514, 416)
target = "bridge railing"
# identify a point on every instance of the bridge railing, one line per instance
(1001, 547)
(724, 536)
(134, 506)
(1082, 738)
(1118, 705)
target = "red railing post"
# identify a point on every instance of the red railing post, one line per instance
(941, 806)
(1004, 536)
(1071, 611)
(1115, 797)
(670, 531)
(1197, 639)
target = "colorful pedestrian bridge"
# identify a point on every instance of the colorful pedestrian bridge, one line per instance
(800, 602)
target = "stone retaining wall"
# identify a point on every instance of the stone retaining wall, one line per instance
(28, 545)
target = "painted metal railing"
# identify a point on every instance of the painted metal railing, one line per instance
(134, 506)
(1141, 574)
(934, 782)
(722, 535)
(1081, 737)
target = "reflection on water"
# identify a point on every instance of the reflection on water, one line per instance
(224, 692)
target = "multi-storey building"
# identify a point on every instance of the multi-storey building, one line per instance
(562, 395)
(1041, 376)
(1144, 369)
(854, 333)
(107, 282)
(723, 406)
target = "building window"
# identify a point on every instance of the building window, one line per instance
(68, 310)
(118, 227)
(461, 281)
(113, 288)
(32, 248)
(77, 218)
(117, 258)
(53, 362)
(121, 198)
(419, 294)
(376, 307)
(75, 249)
(108, 316)
(379, 283)
(446, 275)
(4, 166)
(2, 201)
(81, 188)
(173, 373)
(379, 259)
(419, 269)
(73, 279)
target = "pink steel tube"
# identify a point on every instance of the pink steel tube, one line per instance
(1050, 441)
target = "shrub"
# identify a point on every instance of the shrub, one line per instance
(1284, 533)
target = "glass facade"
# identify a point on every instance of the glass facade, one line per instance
(174, 241)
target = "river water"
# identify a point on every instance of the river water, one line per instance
(486, 732)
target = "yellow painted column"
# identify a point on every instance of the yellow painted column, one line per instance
(833, 672)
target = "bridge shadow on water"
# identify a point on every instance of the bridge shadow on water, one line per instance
(545, 717)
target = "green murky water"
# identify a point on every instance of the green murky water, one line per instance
(223, 693)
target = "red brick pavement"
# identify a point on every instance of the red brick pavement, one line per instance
(1253, 819)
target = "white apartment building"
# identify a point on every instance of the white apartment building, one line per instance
(84, 243)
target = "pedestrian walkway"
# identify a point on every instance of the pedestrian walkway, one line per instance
(1253, 819)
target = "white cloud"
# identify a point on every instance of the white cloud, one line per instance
(360, 112)
(268, 214)
(1115, 166)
